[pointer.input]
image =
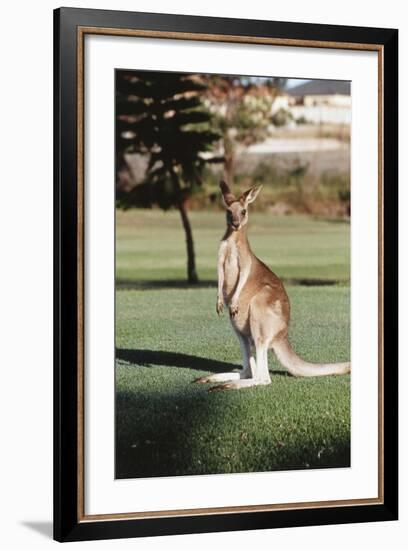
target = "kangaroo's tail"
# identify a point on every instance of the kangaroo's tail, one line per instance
(298, 367)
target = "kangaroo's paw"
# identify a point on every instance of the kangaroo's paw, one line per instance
(233, 310)
(219, 307)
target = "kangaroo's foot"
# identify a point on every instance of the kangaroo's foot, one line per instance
(240, 384)
(244, 373)
(219, 377)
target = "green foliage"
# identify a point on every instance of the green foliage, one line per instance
(161, 115)
(299, 187)
(302, 120)
(282, 117)
(344, 195)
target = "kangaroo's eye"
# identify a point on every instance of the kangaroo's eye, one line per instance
(243, 212)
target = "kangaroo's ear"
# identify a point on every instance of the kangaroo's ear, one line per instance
(227, 196)
(250, 195)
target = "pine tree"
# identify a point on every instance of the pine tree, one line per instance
(161, 115)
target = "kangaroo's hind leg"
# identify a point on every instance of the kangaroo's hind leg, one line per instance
(248, 374)
(266, 322)
(247, 371)
(248, 360)
(259, 372)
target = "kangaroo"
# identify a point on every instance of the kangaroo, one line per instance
(258, 305)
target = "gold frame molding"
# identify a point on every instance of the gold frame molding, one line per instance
(82, 31)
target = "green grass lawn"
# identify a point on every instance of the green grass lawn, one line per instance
(168, 334)
(150, 246)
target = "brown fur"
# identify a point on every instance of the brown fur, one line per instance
(262, 283)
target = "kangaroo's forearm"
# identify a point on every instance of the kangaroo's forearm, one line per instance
(220, 294)
(220, 280)
(220, 271)
(243, 277)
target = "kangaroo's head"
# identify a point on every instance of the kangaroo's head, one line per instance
(237, 208)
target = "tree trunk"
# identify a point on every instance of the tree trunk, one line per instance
(191, 266)
(229, 161)
(229, 168)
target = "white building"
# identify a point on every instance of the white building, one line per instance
(322, 101)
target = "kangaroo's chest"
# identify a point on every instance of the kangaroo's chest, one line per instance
(231, 268)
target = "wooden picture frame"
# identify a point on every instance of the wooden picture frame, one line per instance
(70, 27)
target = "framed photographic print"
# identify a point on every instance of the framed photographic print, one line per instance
(225, 274)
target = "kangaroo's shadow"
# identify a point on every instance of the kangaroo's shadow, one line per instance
(147, 358)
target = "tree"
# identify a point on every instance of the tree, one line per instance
(242, 110)
(161, 115)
